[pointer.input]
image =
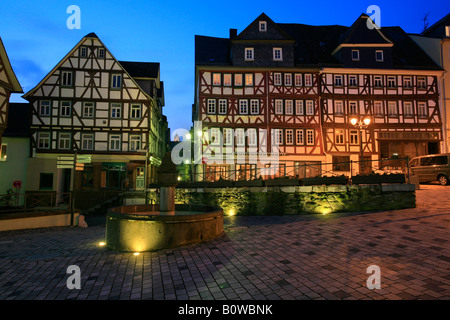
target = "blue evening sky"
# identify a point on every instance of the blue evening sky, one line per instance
(36, 36)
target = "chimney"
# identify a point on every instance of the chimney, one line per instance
(233, 33)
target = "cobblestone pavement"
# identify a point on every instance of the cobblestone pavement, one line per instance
(276, 257)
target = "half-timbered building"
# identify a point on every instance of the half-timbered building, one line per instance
(303, 84)
(92, 106)
(8, 84)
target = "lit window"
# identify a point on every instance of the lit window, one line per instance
(3, 152)
(227, 79)
(238, 80)
(216, 79)
(249, 79)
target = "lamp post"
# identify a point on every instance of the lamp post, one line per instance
(361, 124)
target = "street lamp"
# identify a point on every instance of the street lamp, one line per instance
(361, 124)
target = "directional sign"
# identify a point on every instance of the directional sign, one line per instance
(64, 166)
(84, 158)
(79, 167)
(66, 158)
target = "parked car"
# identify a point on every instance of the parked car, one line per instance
(432, 167)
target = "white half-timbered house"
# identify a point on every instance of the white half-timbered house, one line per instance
(91, 104)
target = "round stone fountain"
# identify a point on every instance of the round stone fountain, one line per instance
(140, 228)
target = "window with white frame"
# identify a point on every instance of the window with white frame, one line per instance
(216, 79)
(67, 78)
(227, 80)
(278, 106)
(277, 54)
(353, 81)
(227, 136)
(407, 82)
(339, 107)
(289, 107)
(44, 108)
(392, 108)
(377, 81)
(115, 142)
(211, 106)
(379, 57)
(64, 140)
(289, 136)
(116, 111)
(249, 54)
(421, 83)
(408, 109)
(252, 137)
(254, 106)
(87, 141)
(243, 106)
(299, 137)
(277, 79)
(391, 82)
(355, 55)
(136, 111)
(352, 107)
(83, 52)
(116, 81)
(43, 140)
(66, 109)
(278, 136)
(308, 80)
(223, 106)
(339, 136)
(101, 53)
(299, 107)
(240, 137)
(215, 136)
(309, 107)
(354, 137)
(422, 109)
(288, 79)
(338, 80)
(135, 142)
(263, 26)
(310, 137)
(378, 108)
(298, 79)
(88, 110)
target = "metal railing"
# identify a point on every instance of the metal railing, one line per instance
(15, 202)
(309, 169)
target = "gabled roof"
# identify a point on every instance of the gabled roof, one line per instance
(19, 120)
(141, 69)
(437, 30)
(314, 45)
(274, 32)
(13, 82)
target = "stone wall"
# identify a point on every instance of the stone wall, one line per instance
(299, 199)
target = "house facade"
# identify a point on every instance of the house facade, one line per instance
(105, 112)
(435, 41)
(8, 84)
(295, 88)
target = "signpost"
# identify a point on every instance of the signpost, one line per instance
(17, 185)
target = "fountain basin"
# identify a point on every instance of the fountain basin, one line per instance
(140, 228)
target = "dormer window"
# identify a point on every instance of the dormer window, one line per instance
(379, 56)
(355, 55)
(249, 54)
(277, 54)
(263, 26)
(447, 31)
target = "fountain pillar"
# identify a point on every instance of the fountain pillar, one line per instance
(167, 180)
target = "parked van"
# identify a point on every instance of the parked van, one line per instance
(433, 167)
